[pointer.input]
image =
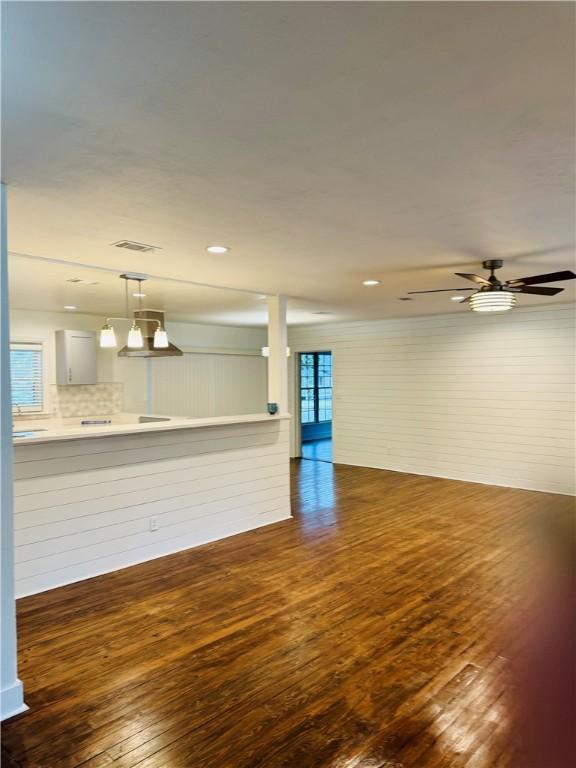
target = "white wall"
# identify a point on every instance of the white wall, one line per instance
(209, 384)
(83, 507)
(485, 398)
(11, 692)
(220, 374)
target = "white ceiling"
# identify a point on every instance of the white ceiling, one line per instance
(45, 286)
(325, 143)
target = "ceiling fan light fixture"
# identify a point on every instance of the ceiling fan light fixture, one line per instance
(493, 295)
(492, 301)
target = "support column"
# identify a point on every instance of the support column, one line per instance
(277, 361)
(11, 692)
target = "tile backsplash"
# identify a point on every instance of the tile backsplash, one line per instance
(87, 399)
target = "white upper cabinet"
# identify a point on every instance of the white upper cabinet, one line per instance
(76, 357)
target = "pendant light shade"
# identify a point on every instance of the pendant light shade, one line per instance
(160, 339)
(107, 337)
(135, 338)
(147, 336)
(492, 301)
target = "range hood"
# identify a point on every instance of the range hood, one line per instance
(154, 317)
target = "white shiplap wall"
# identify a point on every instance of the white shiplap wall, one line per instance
(485, 398)
(83, 507)
(220, 374)
(200, 384)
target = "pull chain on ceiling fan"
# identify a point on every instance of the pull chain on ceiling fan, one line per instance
(492, 295)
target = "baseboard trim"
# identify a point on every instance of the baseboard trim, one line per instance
(244, 526)
(455, 477)
(12, 701)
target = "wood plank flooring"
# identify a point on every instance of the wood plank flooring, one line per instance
(365, 633)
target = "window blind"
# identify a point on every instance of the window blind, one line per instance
(27, 377)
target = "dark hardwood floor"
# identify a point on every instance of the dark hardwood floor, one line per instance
(368, 632)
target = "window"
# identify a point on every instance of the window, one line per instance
(27, 378)
(315, 387)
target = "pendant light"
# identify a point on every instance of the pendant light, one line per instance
(107, 337)
(135, 338)
(160, 338)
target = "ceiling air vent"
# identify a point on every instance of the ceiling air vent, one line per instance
(132, 245)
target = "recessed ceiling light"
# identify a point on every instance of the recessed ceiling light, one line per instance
(457, 298)
(371, 282)
(217, 249)
(70, 307)
(139, 295)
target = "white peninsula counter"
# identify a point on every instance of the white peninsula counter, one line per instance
(89, 499)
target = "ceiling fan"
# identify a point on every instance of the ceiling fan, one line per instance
(493, 295)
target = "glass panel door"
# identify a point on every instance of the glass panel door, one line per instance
(315, 387)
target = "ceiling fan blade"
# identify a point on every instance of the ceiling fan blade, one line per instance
(442, 290)
(552, 277)
(537, 290)
(474, 278)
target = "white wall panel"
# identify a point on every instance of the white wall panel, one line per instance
(467, 396)
(200, 384)
(83, 507)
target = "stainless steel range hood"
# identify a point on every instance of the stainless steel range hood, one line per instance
(154, 317)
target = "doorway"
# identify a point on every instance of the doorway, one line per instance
(316, 405)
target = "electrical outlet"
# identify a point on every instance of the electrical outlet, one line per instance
(153, 524)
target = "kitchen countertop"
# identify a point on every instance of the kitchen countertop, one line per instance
(47, 430)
